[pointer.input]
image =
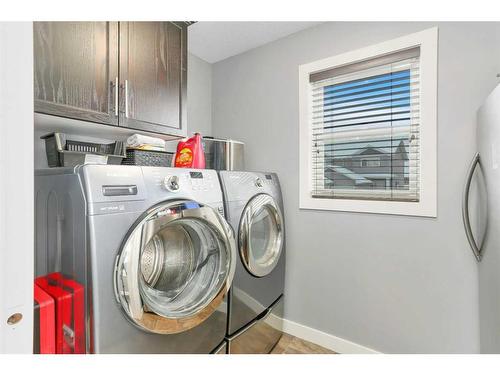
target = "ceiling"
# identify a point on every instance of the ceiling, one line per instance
(216, 41)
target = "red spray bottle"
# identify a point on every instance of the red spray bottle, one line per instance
(190, 153)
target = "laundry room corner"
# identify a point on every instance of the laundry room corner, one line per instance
(200, 187)
(402, 289)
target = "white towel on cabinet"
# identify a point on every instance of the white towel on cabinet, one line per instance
(145, 142)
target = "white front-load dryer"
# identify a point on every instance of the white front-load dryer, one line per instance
(151, 248)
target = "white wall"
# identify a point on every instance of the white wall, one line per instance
(391, 283)
(16, 186)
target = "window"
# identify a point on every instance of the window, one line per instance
(369, 163)
(367, 109)
(368, 129)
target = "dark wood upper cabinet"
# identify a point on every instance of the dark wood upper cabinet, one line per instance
(76, 69)
(83, 69)
(153, 75)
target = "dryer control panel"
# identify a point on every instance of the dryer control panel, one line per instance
(264, 181)
(241, 186)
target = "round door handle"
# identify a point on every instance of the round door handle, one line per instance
(14, 318)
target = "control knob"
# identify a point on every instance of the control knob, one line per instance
(171, 183)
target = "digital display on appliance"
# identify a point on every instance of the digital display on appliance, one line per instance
(196, 174)
(269, 177)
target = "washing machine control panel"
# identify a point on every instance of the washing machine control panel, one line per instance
(203, 183)
(200, 181)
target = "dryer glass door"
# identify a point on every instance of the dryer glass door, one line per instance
(261, 235)
(175, 267)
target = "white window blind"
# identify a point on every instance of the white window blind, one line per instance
(365, 129)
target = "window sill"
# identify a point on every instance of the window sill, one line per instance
(421, 208)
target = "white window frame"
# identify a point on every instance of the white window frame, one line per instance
(427, 40)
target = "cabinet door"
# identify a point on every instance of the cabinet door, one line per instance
(76, 70)
(153, 76)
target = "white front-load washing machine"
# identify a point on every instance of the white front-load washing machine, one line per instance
(151, 248)
(254, 208)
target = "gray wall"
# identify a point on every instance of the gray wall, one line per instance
(199, 99)
(199, 92)
(391, 283)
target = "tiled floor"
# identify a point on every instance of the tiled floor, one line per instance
(293, 345)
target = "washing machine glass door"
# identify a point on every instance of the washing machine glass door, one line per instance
(175, 266)
(260, 235)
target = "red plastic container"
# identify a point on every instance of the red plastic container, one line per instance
(190, 153)
(44, 340)
(69, 312)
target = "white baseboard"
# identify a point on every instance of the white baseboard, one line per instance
(337, 344)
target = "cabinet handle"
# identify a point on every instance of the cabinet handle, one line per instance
(476, 249)
(116, 96)
(126, 98)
